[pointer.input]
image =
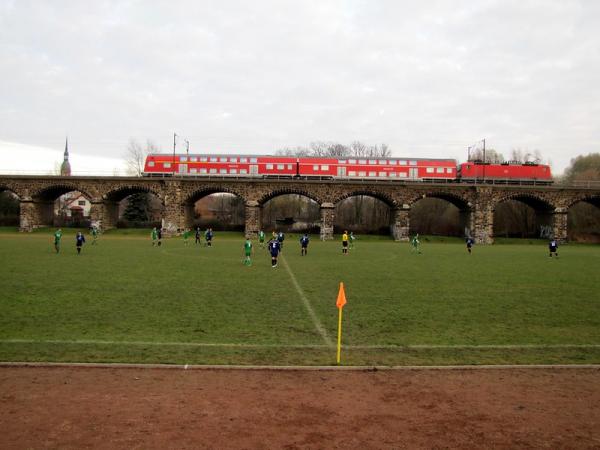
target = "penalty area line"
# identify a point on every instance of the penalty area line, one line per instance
(311, 312)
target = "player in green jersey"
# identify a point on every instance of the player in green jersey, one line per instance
(351, 239)
(186, 236)
(248, 252)
(94, 235)
(261, 238)
(154, 236)
(415, 244)
(57, 236)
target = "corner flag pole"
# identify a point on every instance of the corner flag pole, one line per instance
(341, 301)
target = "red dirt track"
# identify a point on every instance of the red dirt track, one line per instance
(85, 407)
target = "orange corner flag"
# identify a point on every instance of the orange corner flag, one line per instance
(341, 298)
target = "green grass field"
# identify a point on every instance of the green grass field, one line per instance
(125, 301)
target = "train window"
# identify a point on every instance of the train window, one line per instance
(392, 162)
(440, 170)
(362, 174)
(352, 173)
(341, 161)
(232, 170)
(203, 159)
(372, 161)
(253, 160)
(362, 161)
(372, 174)
(403, 174)
(448, 169)
(352, 161)
(203, 170)
(316, 168)
(289, 167)
(222, 170)
(167, 165)
(243, 160)
(183, 158)
(150, 163)
(382, 174)
(213, 170)
(193, 170)
(383, 161)
(213, 159)
(402, 162)
(393, 174)
(430, 170)
(193, 159)
(234, 159)
(223, 159)
(280, 166)
(269, 166)
(243, 171)
(413, 163)
(324, 167)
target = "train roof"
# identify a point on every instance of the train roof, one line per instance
(239, 155)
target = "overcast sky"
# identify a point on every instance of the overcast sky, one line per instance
(256, 76)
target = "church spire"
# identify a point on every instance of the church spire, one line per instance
(65, 167)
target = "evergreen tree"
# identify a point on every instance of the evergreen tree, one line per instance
(137, 211)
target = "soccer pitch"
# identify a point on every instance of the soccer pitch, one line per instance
(126, 301)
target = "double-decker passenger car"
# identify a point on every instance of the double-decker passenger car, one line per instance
(422, 169)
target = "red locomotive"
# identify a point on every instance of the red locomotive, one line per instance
(402, 169)
(507, 172)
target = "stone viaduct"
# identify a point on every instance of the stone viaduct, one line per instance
(476, 203)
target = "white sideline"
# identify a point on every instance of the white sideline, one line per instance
(306, 346)
(311, 312)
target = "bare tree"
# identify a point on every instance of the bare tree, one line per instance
(135, 156)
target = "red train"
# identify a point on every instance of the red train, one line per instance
(408, 169)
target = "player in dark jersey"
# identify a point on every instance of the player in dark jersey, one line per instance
(553, 247)
(469, 242)
(274, 248)
(79, 241)
(304, 240)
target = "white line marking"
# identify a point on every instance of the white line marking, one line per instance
(307, 346)
(311, 312)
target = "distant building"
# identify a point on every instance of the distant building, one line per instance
(73, 204)
(65, 167)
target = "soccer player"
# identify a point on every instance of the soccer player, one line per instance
(208, 235)
(94, 235)
(274, 249)
(345, 243)
(197, 235)
(280, 238)
(469, 244)
(261, 238)
(416, 244)
(154, 236)
(304, 244)
(248, 252)
(186, 236)
(79, 241)
(351, 239)
(553, 247)
(57, 237)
